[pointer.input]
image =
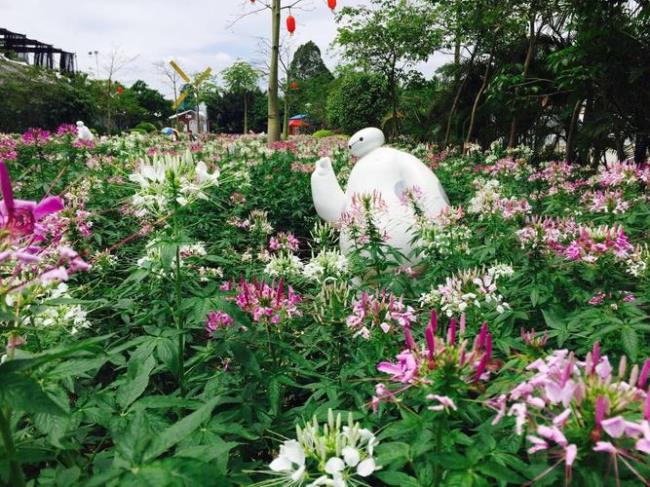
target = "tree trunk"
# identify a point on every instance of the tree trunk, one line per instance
(640, 147)
(454, 105)
(273, 123)
(486, 76)
(573, 125)
(285, 123)
(245, 114)
(512, 139)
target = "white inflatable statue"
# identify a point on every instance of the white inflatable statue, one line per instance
(83, 132)
(380, 169)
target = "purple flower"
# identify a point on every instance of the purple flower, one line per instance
(404, 370)
(614, 427)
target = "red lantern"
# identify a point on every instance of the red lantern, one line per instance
(293, 85)
(291, 24)
(331, 4)
(120, 90)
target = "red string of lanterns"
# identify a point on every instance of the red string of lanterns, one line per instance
(291, 20)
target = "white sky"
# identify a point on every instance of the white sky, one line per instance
(196, 33)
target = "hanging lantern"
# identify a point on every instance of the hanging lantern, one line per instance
(291, 24)
(120, 90)
(331, 4)
(293, 85)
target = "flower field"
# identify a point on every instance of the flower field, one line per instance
(175, 313)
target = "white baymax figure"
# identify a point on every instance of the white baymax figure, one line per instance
(83, 132)
(384, 170)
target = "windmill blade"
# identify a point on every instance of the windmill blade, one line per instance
(201, 77)
(180, 72)
(179, 100)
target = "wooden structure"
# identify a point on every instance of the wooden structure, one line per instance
(43, 54)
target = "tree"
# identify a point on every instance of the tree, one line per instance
(307, 63)
(275, 7)
(357, 100)
(308, 83)
(388, 38)
(154, 105)
(241, 78)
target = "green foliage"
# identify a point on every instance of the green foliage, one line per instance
(357, 100)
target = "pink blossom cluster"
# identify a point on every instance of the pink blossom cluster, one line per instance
(575, 242)
(592, 243)
(36, 136)
(383, 310)
(83, 144)
(284, 146)
(599, 298)
(534, 339)
(267, 301)
(360, 221)
(571, 407)
(450, 215)
(66, 129)
(560, 176)
(511, 207)
(217, 320)
(284, 242)
(428, 366)
(31, 250)
(607, 201)
(622, 173)
(508, 166)
(7, 149)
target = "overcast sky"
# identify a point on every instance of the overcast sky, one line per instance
(196, 33)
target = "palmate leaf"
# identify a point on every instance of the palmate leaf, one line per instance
(180, 430)
(23, 393)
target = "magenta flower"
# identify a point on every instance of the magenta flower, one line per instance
(382, 310)
(417, 365)
(267, 302)
(217, 320)
(404, 370)
(21, 217)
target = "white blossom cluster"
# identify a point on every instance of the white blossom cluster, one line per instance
(71, 317)
(332, 455)
(470, 288)
(165, 181)
(284, 265)
(152, 260)
(327, 264)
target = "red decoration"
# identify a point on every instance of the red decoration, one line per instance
(291, 24)
(120, 90)
(293, 85)
(331, 4)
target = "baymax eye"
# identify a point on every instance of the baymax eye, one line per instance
(360, 139)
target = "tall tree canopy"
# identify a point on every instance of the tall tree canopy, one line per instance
(241, 79)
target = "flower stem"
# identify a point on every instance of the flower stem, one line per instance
(16, 477)
(179, 323)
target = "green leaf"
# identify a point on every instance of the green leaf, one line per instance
(398, 478)
(25, 394)
(137, 380)
(178, 431)
(499, 472)
(630, 342)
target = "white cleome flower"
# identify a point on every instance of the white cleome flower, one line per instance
(290, 461)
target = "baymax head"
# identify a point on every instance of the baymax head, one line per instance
(365, 141)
